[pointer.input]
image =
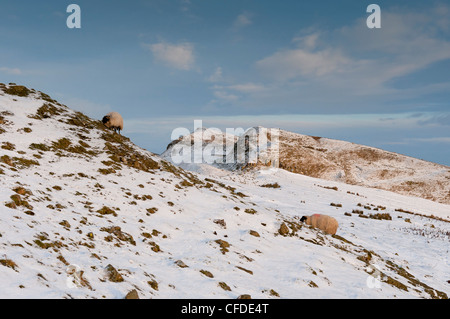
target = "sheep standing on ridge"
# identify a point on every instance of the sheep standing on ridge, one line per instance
(113, 121)
(323, 222)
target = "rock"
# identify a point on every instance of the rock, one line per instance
(20, 190)
(207, 273)
(254, 233)
(224, 245)
(284, 230)
(65, 223)
(181, 264)
(7, 160)
(113, 274)
(224, 286)
(11, 205)
(122, 236)
(133, 294)
(154, 284)
(220, 222)
(17, 200)
(245, 296)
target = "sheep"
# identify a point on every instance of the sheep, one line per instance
(323, 222)
(113, 120)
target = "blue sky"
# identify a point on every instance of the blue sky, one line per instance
(311, 67)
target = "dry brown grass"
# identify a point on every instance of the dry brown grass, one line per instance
(8, 263)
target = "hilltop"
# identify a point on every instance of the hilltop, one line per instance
(86, 213)
(340, 161)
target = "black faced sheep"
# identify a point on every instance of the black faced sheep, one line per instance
(323, 222)
(113, 121)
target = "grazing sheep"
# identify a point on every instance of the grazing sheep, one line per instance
(326, 223)
(113, 121)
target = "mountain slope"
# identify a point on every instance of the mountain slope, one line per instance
(85, 213)
(366, 166)
(345, 162)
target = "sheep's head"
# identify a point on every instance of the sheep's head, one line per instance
(106, 120)
(303, 219)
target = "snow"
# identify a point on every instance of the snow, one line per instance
(327, 159)
(305, 264)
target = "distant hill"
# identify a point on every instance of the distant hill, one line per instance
(353, 164)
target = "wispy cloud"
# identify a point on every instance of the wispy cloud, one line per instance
(248, 87)
(290, 64)
(350, 67)
(408, 42)
(242, 20)
(217, 76)
(292, 122)
(185, 5)
(177, 56)
(431, 139)
(11, 71)
(442, 119)
(224, 95)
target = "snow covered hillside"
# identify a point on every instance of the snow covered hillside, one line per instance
(345, 162)
(85, 213)
(363, 165)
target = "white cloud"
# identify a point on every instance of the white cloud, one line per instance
(216, 76)
(408, 41)
(442, 119)
(308, 41)
(289, 64)
(11, 71)
(185, 5)
(243, 20)
(225, 96)
(247, 87)
(432, 139)
(350, 69)
(358, 58)
(291, 122)
(177, 56)
(234, 92)
(354, 68)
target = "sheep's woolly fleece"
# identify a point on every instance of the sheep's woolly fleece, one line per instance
(113, 120)
(323, 222)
